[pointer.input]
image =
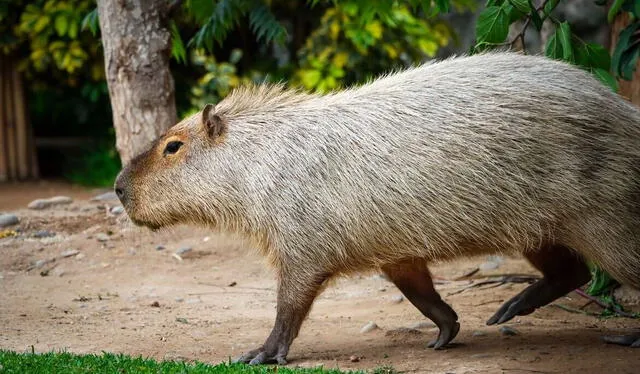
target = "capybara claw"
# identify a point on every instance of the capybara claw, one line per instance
(260, 357)
(631, 340)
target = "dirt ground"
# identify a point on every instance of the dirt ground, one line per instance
(119, 293)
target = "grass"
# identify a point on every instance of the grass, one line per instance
(68, 363)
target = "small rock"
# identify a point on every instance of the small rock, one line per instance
(206, 239)
(183, 250)
(232, 284)
(423, 325)
(179, 299)
(8, 220)
(45, 203)
(69, 253)
(80, 256)
(40, 263)
(105, 196)
(102, 237)
(478, 333)
(508, 331)
(397, 299)
(58, 271)
(193, 301)
(155, 304)
(117, 210)
(160, 247)
(354, 358)
(370, 326)
(43, 234)
(181, 320)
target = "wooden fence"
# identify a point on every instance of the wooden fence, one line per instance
(17, 148)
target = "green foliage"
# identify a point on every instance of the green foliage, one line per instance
(343, 51)
(216, 20)
(107, 363)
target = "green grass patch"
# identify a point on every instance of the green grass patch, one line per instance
(68, 363)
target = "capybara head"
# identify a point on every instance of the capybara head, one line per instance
(172, 181)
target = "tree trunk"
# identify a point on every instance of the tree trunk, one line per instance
(137, 49)
(630, 90)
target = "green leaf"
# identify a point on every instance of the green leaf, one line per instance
(624, 43)
(614, 9)
(522, 5)
(73, 30)
(593, 55)
(606, 78)
(235, 56)
(564, 35)
(553, 49)
(629, 61)
(549, 7)
(177, 47)
(265, 25)
(443, 5)
(61, 24)
(90, 22)
(493, 25)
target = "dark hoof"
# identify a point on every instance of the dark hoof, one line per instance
(260, 356)
(445, 337)
(631, 340)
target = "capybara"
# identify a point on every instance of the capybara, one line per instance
(491, 153)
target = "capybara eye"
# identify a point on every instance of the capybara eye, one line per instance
(172, 147)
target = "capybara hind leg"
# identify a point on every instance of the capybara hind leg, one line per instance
(630, 340)
(295, 297)
(563, 271)
(414, 280)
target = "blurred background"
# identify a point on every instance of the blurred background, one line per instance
(56, 119)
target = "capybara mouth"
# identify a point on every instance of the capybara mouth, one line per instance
(150, 225)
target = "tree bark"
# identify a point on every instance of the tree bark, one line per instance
(137, 49)
(630, 90)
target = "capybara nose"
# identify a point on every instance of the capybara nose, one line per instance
(120, 190)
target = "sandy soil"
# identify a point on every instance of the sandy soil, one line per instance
(218, 300)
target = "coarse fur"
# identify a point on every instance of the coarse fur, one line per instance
(491, 153)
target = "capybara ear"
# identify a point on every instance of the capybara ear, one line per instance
(213, 123)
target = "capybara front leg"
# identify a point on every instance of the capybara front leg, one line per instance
(412, 277)
(630, 340)
(295, 297)
(563, 271)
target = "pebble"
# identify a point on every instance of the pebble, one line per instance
(160, 247)
(179, 299)
(478, 333)
(40, 263)
(102, 237)
(423, 325)
(397, 299)
(45, 203)
(193, 301)
(354, 358)
(117, 210)
(370, 326)
(105, 196)
(206, 239)
(69, 253)
(508, 331)
(8, 220)
(155, 304)
(80, 256)
(183, 250)
(44, 234)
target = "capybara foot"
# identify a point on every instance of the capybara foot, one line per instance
(262, 356)
(445, 336)
(630, 340)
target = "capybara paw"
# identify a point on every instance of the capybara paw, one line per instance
(261, 356)
(445, 336)
(630, 340)
(510, 309)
